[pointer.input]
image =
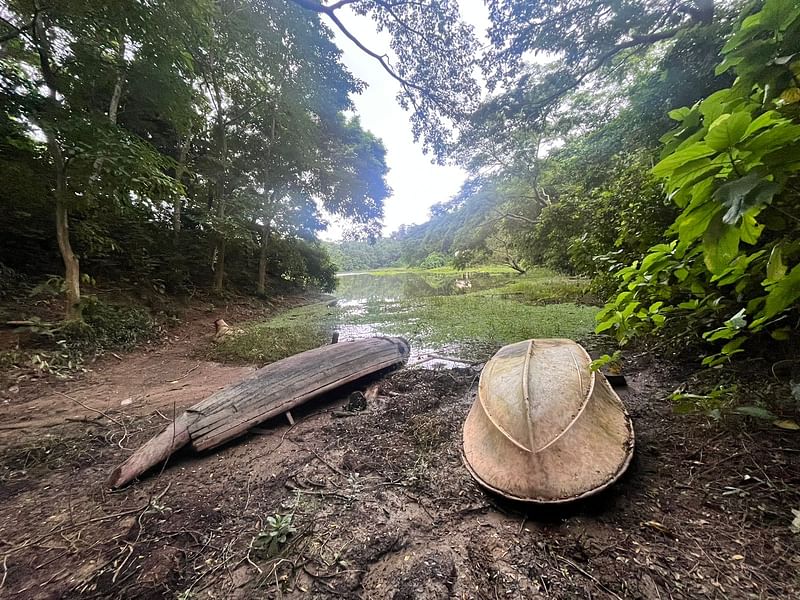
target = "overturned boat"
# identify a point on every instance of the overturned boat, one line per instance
(270, 391)
(546, 428)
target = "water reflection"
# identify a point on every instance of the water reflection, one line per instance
(361, 294)
(360, 288)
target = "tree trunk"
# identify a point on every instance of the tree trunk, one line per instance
(222, 140)
(113, 105)
(72, 272)
(116, 95)
(262, 260)
(180, 169)
(266, 214)
(219, 265)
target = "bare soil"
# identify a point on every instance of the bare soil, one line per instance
(381, 503)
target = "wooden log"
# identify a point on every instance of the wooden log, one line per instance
(270, 391)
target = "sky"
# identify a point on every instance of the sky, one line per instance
(417, 184)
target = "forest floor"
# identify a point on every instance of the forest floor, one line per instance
(380, 501)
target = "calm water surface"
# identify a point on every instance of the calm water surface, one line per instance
(356, 292)
(355, 288)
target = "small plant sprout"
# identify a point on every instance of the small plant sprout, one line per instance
(271, 539)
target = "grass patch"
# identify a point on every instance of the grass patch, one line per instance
(293, 331)
(543, 286)
(477, 320)
(487, 269)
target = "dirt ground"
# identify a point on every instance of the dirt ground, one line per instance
(380, 501)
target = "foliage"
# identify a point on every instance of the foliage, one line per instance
(269, 542)
(434, 260)
(362, 255)
(612, 361)
(729, 269)
(436, 56)
(111, 327)
(178, 144)
(584, 35)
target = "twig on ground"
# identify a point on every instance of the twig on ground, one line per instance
(590, 576)
(185, 374)
(247, 501)
(95, 410)
(327, 464)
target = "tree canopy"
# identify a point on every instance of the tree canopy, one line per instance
(172, 137)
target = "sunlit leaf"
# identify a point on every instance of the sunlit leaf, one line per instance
(726, 131)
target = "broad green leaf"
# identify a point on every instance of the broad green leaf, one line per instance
(605, 325)
(712, 107)
(763, 121)
(727, 130)
(720, 245)
(750, 229)
(723, 333)
(755, 411)
(775, 267)
(733, 347)
(679, 114)
(679, 158)
(783, 294)
(691, 172)
(791, 426)
(693, 224)
(773, 138)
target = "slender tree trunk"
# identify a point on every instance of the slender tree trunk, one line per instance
(262, 261)
(219, 273)
(72, 272)
(116, 95)
(113, 104)
(219, 188)
(266, 218)
(266, 214)
(180, 169)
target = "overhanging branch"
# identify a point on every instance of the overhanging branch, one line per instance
(329, 11)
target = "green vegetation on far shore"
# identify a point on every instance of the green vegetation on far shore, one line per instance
(540, 303)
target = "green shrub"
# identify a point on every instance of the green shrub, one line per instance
(109, 327)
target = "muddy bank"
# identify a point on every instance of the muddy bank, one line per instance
(383, 508)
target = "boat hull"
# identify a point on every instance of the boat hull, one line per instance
(270, 391)
(544, 427)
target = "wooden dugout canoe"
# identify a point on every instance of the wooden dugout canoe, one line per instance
(270, 391)
(544, 427)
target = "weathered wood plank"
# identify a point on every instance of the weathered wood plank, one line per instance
(155, 451)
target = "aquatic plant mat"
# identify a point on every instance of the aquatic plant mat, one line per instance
(377, 505)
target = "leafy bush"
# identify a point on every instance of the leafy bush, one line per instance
(108, 327)
(434, 260)
(730, 269)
